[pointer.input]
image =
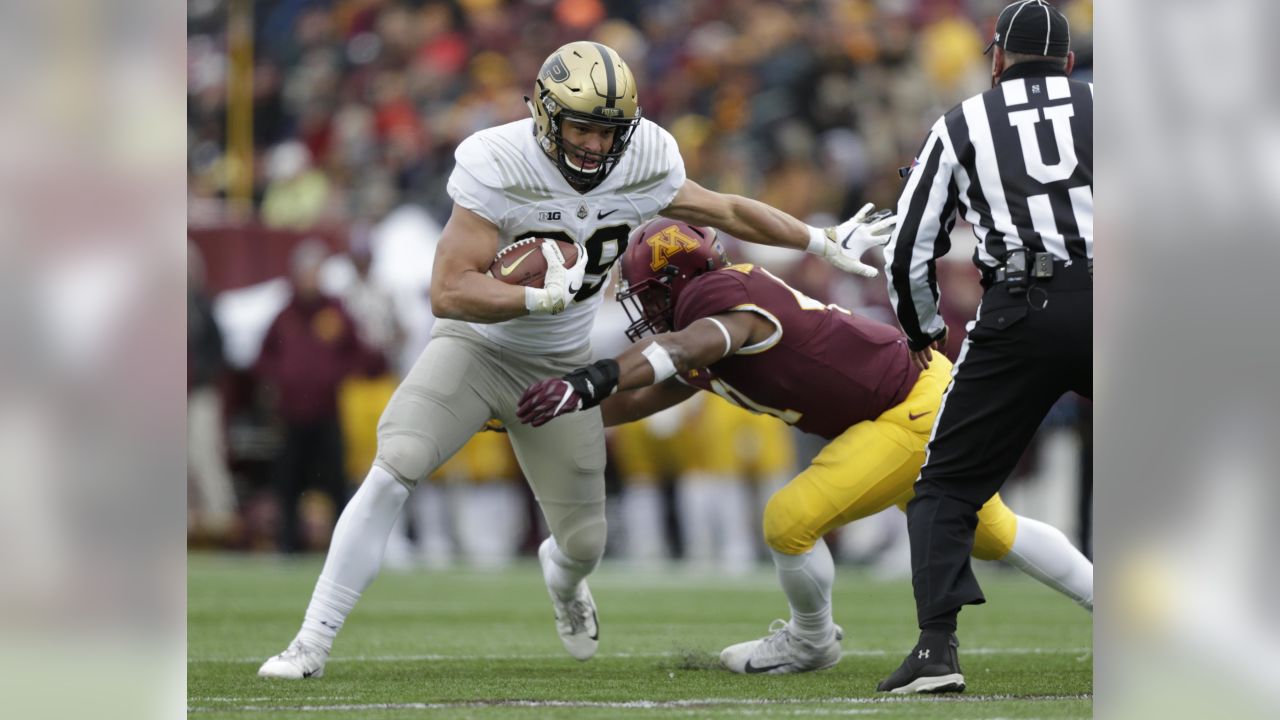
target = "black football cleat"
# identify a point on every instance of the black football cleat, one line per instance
(932, 666)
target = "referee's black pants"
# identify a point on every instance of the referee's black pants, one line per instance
(1018, 359)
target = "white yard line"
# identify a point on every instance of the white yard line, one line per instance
(666, 654)
(638, 704)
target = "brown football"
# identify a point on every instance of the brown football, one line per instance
(522, 263)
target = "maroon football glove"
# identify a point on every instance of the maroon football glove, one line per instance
(546, 400)
(583, 388)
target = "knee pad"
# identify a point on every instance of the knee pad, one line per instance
(410, 459)
(581, 535)
(785, 530)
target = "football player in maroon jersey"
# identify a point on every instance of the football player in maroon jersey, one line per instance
(739, 331)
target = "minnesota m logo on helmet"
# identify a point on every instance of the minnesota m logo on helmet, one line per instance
(668, 242)
(585, 82)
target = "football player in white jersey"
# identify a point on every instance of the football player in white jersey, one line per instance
(586, 168)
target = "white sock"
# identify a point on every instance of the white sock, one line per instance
(355, 554)
(807, 579)
(1043, 552)
(563, 573)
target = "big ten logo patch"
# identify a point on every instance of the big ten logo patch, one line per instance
(668, 242)
(549, 215)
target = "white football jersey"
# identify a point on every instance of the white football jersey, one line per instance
(503, 176)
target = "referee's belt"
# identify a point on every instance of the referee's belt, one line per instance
(1041, 269)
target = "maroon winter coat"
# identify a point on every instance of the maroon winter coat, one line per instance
(310, 348)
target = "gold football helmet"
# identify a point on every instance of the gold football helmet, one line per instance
(587, 82)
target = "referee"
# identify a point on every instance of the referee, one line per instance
(1017, 162)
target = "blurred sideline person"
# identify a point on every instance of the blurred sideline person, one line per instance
(649, 454)
(1017, 162)
(215, 509)
(310, 348)
(740, 332)
(733, 449)
(490, 508)
(586, 168)
(362, 399)
(713, 480)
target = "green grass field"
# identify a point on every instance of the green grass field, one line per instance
(464, 644)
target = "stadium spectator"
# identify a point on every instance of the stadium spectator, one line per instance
(298, 195)
(214, 513)
(310, 348)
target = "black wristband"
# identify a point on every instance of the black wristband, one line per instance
(594, 382)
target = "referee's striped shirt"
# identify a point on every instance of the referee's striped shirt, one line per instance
(1017, 162)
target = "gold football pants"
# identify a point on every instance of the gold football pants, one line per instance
(869, 467)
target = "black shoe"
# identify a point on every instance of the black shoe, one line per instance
(932, 666)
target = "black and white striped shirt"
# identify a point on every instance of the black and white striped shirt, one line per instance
(1017, 162)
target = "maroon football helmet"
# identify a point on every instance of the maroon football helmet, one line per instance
(662, 257)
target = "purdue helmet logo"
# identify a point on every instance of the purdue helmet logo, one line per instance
(555, 70)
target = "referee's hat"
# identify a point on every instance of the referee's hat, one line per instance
(1032, 27)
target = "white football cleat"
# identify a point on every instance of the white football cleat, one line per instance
(576, 620)
(297, 662)
(782, 652)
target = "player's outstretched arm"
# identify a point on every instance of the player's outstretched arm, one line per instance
(631, 405)
(754, 221)
(460, 287)
(648, 362)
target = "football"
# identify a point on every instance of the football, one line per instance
(522, 263)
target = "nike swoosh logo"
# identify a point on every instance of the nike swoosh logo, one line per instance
(752, 670)
(603, 215)
(595, 620)
(845, 243)
(915, 416)
(508, 269)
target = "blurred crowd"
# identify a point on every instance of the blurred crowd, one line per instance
(307, 299)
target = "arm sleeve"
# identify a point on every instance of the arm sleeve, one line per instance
(926, 214)
(475, 183)
(708, 295)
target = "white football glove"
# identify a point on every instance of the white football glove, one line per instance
(559, 284)
(844, 244)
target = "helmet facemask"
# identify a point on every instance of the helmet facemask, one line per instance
(565, 152)
(650, 305)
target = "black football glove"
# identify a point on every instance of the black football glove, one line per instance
(581, 389)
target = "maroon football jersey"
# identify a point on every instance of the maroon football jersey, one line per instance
(823, 370)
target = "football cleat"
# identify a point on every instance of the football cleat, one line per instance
(576, 620)
(782, 652)
(297, 662)
(932, 666)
